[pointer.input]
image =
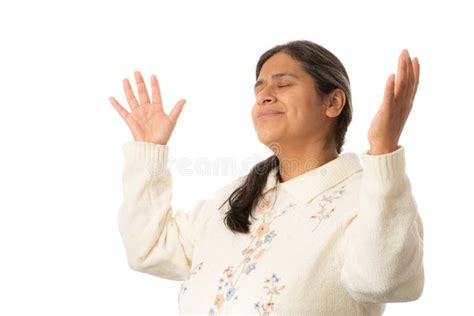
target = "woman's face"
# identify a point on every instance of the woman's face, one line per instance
(284, 87)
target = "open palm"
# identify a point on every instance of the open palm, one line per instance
(388, 123)
(147, 120)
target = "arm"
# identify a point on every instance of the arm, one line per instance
(383, 245)
(156, 241)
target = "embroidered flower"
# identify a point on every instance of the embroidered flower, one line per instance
(250, 267)
(272, 288)
(228, 272)
(184, 286)
(230, 293)
(275, 278)
(262, 206)
(259, 243)
(259, 254)
(262, 229)
(268, 237)
(325, 210)
(219, 300)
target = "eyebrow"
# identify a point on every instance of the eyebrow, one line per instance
(277, 75)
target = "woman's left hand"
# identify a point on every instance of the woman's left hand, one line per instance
(388, 123)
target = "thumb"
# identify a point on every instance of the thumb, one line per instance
(177, 110)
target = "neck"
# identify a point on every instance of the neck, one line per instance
(297, 159)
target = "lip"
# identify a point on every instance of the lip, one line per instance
(269, 113)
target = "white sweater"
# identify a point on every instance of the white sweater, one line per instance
(342, 239)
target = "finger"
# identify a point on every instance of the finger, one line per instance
(155, 93)
(400, 84)
(416, 70)
(132, 101)
(124, 114)
(177, 110)
(389, 89)
(141, 87)
(120, 109)
(410, 76)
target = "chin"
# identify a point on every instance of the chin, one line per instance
(268, 137)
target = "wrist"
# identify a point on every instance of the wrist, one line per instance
(381, 150)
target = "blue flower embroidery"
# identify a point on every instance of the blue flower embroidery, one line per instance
(275, 278)
(260, 236)
(268, 237)
(230, 293)
(250, 267)
(266, 304)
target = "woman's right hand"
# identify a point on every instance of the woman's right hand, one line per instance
(147, 120)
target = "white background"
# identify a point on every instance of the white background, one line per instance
(61, 156)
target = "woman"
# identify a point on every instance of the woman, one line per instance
(309, 231)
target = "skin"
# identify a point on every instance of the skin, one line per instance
(399, 95)
(301, 136)
(147, 120)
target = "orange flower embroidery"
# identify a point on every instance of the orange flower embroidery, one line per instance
(262, 206)
(219, 300)
(262, 229)
(271, 285)
(259, 254)
(259, 243)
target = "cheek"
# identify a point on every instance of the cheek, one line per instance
(253, 114)
(303, 115)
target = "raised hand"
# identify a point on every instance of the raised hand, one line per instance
(387, 125)
(147, 120)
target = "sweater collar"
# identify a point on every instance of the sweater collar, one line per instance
(308, 185)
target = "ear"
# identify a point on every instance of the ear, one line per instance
(334, 102)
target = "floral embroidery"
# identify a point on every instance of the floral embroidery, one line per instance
(262, 206)
(183, 288)
(324, 206)
(260, 240)
(270, 284)
(230, 292)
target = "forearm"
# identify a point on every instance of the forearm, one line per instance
(384, 243)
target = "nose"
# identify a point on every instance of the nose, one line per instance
(264, 97)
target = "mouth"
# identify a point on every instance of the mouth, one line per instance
(269, 114)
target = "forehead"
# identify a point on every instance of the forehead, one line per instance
(280, 62)
(279, 65)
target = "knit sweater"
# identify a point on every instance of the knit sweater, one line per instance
(344, 238)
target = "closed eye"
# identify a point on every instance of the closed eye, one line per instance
(279, 86)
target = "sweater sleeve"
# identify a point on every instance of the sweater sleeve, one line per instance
(383, 244)
(157, 241)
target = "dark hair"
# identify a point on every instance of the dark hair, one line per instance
(328, 73)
